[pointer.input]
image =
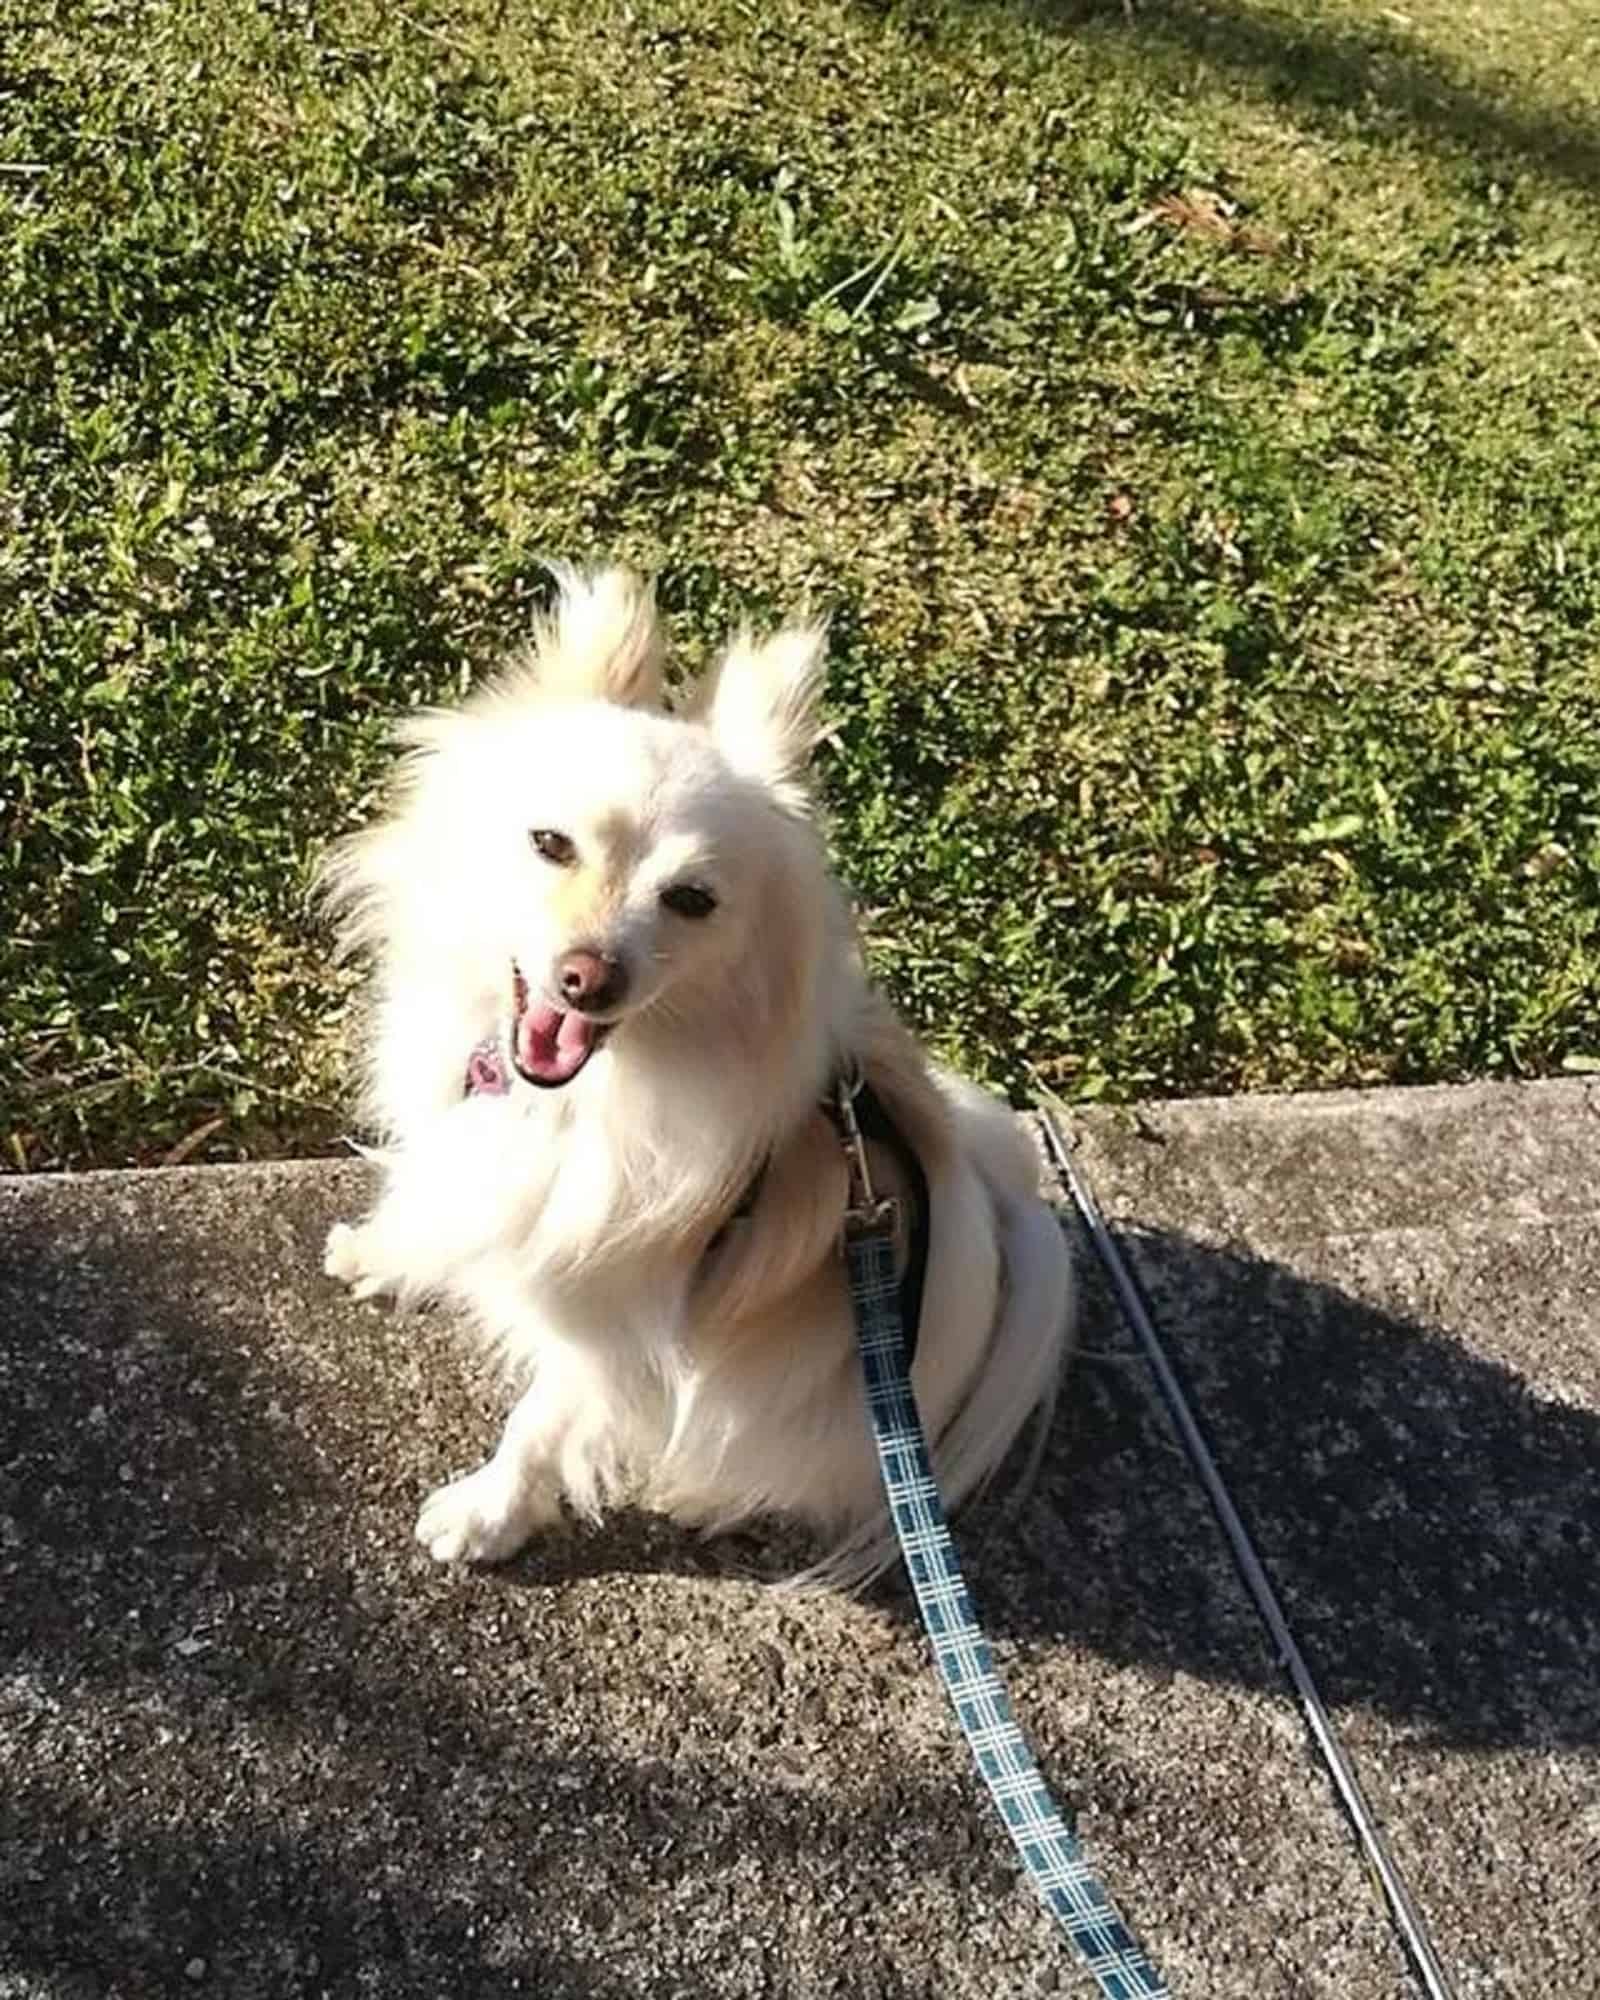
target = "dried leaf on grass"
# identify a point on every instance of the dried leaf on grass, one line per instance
(1204, 212)
(191, 1142)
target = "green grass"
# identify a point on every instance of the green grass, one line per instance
(1215, 590)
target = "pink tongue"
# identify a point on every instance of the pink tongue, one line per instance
(552, 1046)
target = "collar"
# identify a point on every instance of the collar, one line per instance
(487, 1074)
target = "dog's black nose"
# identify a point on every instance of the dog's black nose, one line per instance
(591, 981)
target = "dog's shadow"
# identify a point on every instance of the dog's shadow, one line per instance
(1431, 1520)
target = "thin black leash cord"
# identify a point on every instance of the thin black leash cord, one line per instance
(1407, 1918)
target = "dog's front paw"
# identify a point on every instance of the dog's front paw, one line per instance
(345, 1257)
(483, 1518)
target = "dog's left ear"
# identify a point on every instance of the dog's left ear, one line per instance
(764, 708)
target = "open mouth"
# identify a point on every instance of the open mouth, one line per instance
(549, 1045)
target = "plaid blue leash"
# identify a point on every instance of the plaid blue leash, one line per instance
(1050, 1851)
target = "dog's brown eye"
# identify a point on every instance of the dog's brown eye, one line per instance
(688, 899)
(553, 846)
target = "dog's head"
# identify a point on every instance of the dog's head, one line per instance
(606, 860)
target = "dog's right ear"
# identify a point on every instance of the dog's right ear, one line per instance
(602, 642)
(763, 706)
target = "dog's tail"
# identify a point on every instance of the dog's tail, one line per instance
(1021, 1372)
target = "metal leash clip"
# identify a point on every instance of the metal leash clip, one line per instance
(864, 1213)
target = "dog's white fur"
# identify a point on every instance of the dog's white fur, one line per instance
(711, 1376)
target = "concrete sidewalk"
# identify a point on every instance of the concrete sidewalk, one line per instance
(252, 1742)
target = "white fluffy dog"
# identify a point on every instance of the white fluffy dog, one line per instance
(613, 985)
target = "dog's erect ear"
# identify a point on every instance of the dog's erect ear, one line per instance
(602, 642)
(763, 706)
